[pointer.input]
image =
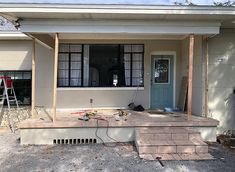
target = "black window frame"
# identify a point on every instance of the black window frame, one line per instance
(15, 87)
(69, 65)
(82, 65)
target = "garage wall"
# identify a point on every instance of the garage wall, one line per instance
(15, 55)
(222, 79)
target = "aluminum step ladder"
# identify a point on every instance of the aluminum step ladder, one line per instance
(6, 85)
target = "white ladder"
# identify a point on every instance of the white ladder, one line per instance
(6, 85)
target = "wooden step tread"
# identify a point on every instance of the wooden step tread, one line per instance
(177, 157)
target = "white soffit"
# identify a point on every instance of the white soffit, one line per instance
(119, 26)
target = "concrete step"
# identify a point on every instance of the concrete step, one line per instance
(171, 146)
(166, 133)
(178, 157)
(169, 140)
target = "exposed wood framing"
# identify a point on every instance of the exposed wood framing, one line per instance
(190, 75)
(206, 77)
(33, 79)
(55, 76)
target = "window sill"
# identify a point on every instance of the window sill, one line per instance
(99, 88)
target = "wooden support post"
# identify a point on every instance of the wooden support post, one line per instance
(190, 76)
(33, 79)
(55, 76)
(206, 77)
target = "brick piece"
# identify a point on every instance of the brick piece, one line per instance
(205, 156)
(201, 149)
(176, 157)
(194, 136)
(181, 136)
(185, 149)
(146, 156)
(147, 149)
(166, 149)
(189, 157)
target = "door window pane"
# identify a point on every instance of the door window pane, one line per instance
(161, 72)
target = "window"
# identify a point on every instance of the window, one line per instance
(161, 73)
(22, 85)
(100, 65)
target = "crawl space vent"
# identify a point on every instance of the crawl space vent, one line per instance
(74, 141)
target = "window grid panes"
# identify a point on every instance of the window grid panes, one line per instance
(70, 65)
(22, 85)
(72, 69)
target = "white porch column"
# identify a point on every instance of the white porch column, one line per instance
(33, 79)
(55, 76)
(190, 75)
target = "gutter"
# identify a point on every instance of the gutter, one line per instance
(140, 9)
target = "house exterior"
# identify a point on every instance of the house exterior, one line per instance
(107, 56)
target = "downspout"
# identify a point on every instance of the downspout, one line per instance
(206, 63)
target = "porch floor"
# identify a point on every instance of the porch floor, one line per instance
(132, 119)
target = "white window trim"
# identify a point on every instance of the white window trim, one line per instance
(99, 88)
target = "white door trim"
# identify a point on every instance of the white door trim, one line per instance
(174, 72)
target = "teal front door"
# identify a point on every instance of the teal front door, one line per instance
(162, 81)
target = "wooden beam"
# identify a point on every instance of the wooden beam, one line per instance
(55, 76)
(206, 77)
(190, 75)
(33, 79)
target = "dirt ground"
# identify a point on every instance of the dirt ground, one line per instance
(91, 158)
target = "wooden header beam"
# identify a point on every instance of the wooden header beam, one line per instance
(55, 76)
(33, 79)
(190, 75)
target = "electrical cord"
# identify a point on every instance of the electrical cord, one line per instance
(107, 132)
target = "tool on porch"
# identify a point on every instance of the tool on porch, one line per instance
(87, 115)
(159, 160)
(6, 85)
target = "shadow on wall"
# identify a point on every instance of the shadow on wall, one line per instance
(221, 80)
(230, 107)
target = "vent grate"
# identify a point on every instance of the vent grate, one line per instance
(74, 141)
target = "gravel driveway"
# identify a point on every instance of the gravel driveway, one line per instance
(14, 157)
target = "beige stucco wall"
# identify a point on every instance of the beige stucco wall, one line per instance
(15, 55)
(21, 60)
(198, 86)
(222, 79)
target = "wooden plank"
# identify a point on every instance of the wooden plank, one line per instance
(206, 77)
(183, 93)
(55, 76)
(33, 79)
(190, 75)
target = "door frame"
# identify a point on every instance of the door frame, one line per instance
(173, 53)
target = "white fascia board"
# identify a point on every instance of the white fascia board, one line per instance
(123, 27)
(114, 9)
(13, 36)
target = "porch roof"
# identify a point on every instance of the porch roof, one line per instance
(31, 14)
